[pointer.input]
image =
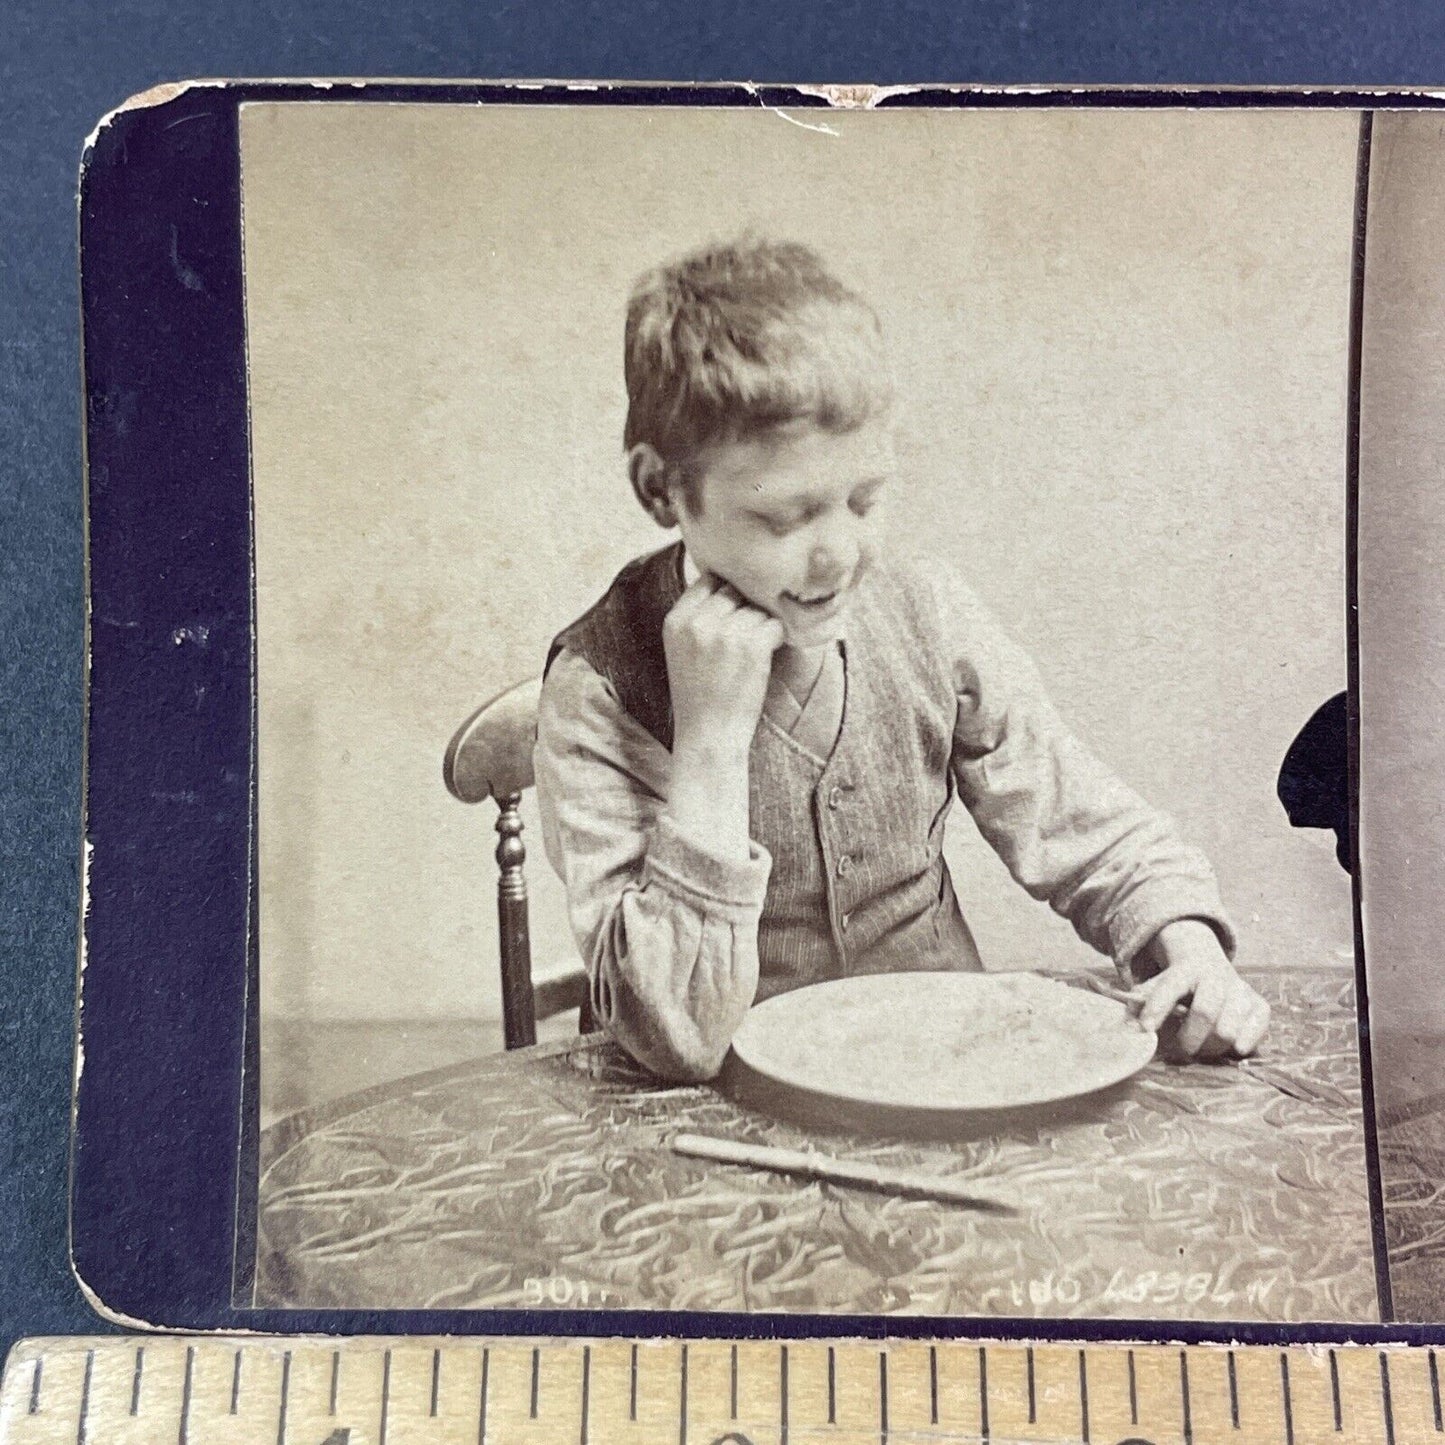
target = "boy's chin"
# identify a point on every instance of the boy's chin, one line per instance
(801, 634)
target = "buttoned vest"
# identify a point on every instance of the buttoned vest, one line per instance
(859, 883)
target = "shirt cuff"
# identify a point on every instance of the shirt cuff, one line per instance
(725, 886)
(1158, 904)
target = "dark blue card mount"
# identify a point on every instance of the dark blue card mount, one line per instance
(165, 1145)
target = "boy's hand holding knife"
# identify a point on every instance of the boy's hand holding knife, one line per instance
(1224, 1018)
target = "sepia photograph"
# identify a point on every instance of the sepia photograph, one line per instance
(803, 684)
(1401, 538)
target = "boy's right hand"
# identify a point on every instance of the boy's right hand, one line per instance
(719, 650)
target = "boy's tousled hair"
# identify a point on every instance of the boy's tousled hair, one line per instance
(734, 339)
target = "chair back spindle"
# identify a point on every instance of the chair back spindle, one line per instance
(490, 756)
(519, 1017)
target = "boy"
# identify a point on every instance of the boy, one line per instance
(748, 747)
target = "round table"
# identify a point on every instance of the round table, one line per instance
(544, 1177)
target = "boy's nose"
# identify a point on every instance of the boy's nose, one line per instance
(829, 565)
(825, 569)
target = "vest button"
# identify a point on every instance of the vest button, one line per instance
(835, 797)
(845, 866)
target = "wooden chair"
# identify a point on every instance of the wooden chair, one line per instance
(490, 756)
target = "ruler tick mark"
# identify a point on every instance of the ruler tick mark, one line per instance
(1084, 1396)
(733, 1395)
(482, 1408)
(983, 1394)
(1335, 1392)
(185, 1431)
(1385, 1398)
(932, 1385)
(81, 1424)
(882, 1397)
(632, 1395)
(783, 1399)
(536, 1377)
(586, 1389)
(1033, 1398)
(1288, 1398)
(335, 1376)
(236, 1385)
(285, 1394)
(1434, 1391)
(35, 1385)
(1187, 1418)
(436, 1380)
(1234, 1392)
(385, 1397)
(140, 1356)
(1133, 1390)
(832, 1388)
(682, 1400)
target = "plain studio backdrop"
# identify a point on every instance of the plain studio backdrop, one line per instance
(1121, 343)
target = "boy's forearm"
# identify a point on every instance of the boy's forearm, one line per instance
(668, 927)
(708, 798)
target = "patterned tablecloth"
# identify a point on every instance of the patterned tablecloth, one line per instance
(1411, 1143)
(1412, 1175)
(545, 1177)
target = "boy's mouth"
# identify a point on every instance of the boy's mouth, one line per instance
(820, 603)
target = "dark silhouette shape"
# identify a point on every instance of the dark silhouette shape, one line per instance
(1314, 779)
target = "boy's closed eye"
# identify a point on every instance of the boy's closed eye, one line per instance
(866, 497)
(779, 526)
(860, 502)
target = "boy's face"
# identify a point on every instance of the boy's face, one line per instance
(789, 518)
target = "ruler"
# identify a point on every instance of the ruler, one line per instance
(125, 1390)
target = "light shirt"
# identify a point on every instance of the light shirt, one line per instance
(679, 942)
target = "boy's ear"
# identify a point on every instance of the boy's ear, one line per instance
(649, 475)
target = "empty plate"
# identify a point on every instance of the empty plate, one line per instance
(944, 1041)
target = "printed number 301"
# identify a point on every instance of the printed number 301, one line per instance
(555, 1290)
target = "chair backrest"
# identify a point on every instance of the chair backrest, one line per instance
(490, 756)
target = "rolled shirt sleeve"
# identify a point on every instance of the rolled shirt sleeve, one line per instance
(1069, 831)
(668, 929)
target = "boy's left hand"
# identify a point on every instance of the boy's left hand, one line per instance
(1226, 1016)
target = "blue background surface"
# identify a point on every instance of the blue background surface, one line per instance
(63, 65)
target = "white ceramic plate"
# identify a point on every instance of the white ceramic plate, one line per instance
(949, 1041)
